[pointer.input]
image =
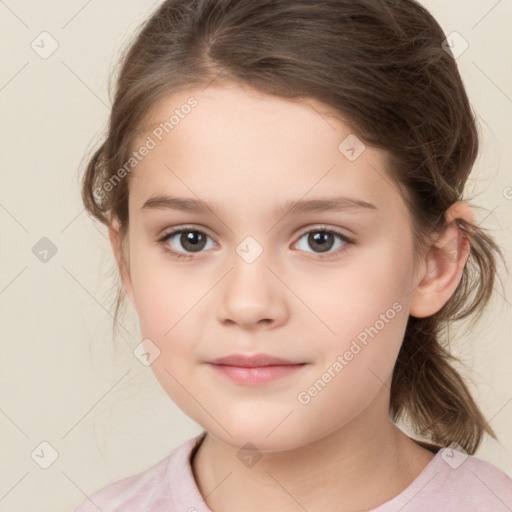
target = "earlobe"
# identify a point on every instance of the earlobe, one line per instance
(443, 265)
(122, 260)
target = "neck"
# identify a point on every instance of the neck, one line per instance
(334, 469)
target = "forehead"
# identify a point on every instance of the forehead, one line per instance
(229, 96)
(239, 145)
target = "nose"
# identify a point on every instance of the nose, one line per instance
(252, 296)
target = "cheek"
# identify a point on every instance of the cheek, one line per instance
(164, 292)
(367, 300)
(356, 363)
(366, 310)
(166, 302)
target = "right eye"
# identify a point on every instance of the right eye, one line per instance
(190, 240)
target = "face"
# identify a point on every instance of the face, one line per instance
(326, 289)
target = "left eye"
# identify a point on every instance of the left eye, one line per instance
(322, 240)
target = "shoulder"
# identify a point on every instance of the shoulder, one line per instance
(455, 481)
(148, 490)
(480, 483)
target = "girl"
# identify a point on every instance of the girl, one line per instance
(283, 186)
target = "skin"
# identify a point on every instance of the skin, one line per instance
(247, 152)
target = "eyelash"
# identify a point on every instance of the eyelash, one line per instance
(184, 256)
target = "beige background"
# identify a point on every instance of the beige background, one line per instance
(63, 380)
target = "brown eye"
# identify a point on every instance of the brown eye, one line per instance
(193, 241)
(323, 241)
(185, 241)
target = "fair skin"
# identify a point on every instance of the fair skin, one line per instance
(248, 153)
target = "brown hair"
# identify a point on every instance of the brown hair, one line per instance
(380, 64)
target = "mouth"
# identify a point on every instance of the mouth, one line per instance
(254, 369)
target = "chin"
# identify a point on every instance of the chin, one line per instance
(266, 434)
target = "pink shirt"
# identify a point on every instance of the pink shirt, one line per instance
(452, 481)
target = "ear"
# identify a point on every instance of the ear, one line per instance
(443, 264)
(122, 257)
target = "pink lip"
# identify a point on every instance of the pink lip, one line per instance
(256, 369)
(251, 361)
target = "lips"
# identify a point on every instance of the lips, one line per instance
(253, 361)
(255, 369)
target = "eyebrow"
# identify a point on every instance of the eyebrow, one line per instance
(289, 207)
